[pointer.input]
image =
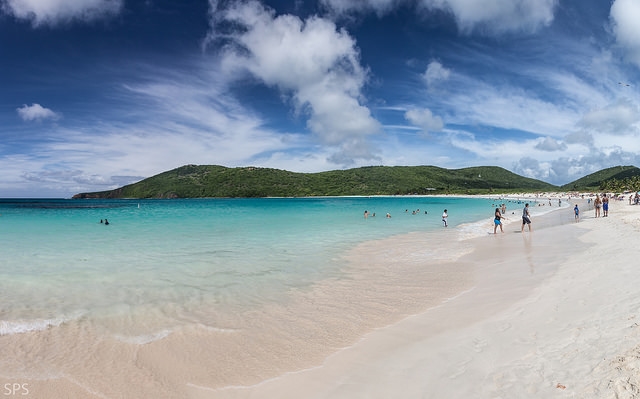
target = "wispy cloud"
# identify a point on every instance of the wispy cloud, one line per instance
(530, 85)
(617, 119)
(341, 8)
(54, 12)
(173, 118)
(510, 108)
(498, 16)
(479, 16)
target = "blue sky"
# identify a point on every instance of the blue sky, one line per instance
(96, 94)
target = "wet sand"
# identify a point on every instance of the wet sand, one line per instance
(553, 313)
(422, 314)
(80, 359)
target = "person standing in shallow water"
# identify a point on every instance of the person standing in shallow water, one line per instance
(526, 217)
(445, 216)
(497, 221)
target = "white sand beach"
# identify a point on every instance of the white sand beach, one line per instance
(550, 313)
(549, 316)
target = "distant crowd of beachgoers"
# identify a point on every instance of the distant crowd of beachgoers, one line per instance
(597, 201)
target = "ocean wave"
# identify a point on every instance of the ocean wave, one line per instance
(475, 229)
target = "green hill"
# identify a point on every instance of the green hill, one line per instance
(194, 181)
(615, 179)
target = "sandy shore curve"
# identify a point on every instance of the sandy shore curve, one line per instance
(548, 313)
(573, 330)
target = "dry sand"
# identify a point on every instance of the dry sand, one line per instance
(551, 313)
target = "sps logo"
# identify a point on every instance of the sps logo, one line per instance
(15, 389)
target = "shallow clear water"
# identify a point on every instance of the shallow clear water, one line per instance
(162, 263)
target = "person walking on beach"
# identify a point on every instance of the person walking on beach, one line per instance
(526, 217)
(497, 221)
(605, 206)
(598, 203)
(444, 218)
(576, 212)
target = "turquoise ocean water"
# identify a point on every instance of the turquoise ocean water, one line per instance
(162, 263)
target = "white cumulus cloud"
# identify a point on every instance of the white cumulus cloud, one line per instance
(54, 12)
(36, 112)
(424, 119)
(625, 15)
(312, 62)
(550, 144)
(435, 73)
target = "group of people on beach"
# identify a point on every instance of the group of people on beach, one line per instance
(526, 217)
(497, 219)
(601, 203)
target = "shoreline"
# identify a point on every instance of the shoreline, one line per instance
(188, 374)
(548, 341)
(62, 358)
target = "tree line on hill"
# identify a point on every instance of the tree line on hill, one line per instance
(199, 181)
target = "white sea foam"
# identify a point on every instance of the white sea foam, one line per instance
(475, 229)
(145, 338)
(9, 327)
(20, 326)
(217, 329)
(512, 217)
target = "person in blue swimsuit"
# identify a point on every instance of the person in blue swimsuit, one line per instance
(497, 221)
(576, 212)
